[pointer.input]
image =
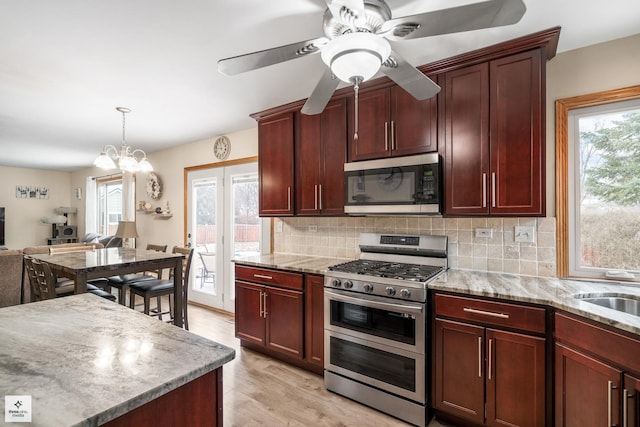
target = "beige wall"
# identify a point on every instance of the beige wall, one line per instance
(22, 216)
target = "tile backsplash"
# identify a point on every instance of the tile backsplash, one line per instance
(499, 253)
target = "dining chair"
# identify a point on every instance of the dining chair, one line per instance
(121, 283)
(158, 288)
(41, 289)
(208, 260)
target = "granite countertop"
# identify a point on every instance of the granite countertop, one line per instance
(549, 291)
(85, 360)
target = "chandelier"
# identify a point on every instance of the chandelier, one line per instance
(126, 157)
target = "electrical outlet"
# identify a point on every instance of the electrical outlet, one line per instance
(524, 234)
(484, 232)
(313, 228)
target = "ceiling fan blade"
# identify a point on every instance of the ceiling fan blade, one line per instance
(347, 11)
(252, 61)
(321, 94)
(409, 77)
(492, 13)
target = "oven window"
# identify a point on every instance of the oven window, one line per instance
(387, 367)
(387, 324)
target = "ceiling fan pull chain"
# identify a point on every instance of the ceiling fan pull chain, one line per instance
(356, 88)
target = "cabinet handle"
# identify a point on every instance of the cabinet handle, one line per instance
(493, 189)
(264, 304)
(315, 197)
(484, 190)
(480, 357)
(288, 198)
(490, 344)
(393, 135)
(486, 313)
(386, 136)
(320, 195)
(610, 388)
(261, 311)
(625, 407)
(262, 276)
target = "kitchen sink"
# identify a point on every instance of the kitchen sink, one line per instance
(625, 303)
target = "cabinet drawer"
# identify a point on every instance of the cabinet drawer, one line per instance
(492, 313)
(266, 276)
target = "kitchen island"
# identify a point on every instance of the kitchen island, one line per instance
(86, 361)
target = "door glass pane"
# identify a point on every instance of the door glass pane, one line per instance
(246, 223)
(109, 209)
(205, 193)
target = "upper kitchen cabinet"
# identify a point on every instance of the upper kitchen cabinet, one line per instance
(391, 123)
(493, 133)
(320, 154)
(275, 164)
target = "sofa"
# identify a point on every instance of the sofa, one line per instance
(14, 284)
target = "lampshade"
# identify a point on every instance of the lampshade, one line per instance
(356, 56)
(126, 230)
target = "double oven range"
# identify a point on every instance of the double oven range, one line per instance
(376, 334)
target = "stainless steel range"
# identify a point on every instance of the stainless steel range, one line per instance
(376, 323)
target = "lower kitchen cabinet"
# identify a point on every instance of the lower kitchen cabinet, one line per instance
(280, 313)
(486, 375)
(596, 371)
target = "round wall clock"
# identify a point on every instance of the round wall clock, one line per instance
(153, 186)
(222, 148)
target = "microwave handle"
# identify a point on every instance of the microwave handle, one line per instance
(374, 304)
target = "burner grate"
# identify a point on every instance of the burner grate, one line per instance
(393, 270)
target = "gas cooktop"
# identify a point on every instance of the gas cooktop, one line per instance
(386, 269)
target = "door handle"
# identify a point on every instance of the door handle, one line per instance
(315, 197)
(320, 195)
(480, 357)
(489, 367)
(260, 303)
(288, 198)
(264, 304)
(262, 276)
(484, 190)
(493, 189)
(485, 313)
(393, 135)
(386, 136)
(610, 388)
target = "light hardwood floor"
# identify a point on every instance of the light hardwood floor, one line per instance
(261, 391)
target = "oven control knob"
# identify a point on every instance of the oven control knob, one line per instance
(390, 291)
(368, 287)
(348, 284)
(336, 283)
(404, 293)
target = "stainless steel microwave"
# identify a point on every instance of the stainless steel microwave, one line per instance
(396, 185)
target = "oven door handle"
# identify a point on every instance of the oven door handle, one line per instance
(374, 304)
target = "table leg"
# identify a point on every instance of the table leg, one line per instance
(177, 294)
(81, 283)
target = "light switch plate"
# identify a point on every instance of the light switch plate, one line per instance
(524, 234)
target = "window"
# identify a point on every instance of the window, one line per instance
(109, 204)
(598, 184)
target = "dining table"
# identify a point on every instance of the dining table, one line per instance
(83, 266)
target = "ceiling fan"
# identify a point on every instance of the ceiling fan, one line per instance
(356, 44)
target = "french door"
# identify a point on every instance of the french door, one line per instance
(222, 223)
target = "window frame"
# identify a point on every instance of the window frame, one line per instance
(563, 107)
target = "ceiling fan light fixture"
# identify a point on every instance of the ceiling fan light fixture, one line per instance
(356, 56)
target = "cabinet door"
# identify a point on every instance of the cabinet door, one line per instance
(334, 156)
(275, 165)
(413, 124)
(308, 163)
(249, 320)
(373, 126)
(517, 135)
(582, 390)
(284, 321)
(314, 319)
(466, 139)
(631, 401)
(458, 387)
(515, 376)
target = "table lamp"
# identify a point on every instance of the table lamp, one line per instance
(126, 230)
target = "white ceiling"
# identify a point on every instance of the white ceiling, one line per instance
(66, 64)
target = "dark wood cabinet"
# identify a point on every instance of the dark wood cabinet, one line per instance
(280, 313)
(275, 165)
(482, 374)
(321, 151)
(269, 310)
(493, 132)
(314, 319)
(391, 123)
(596, 374)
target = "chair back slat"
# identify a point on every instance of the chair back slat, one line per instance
(66, 249)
